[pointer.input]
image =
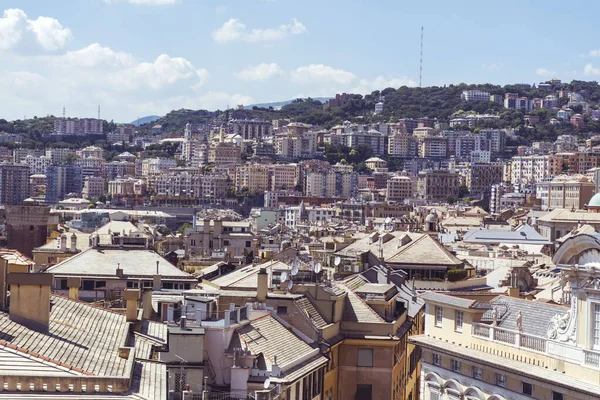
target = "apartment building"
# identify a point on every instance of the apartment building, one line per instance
(565, 191)
(437, 185)
(481, 177)
(529, 170)
(93, 187)
(19, 154)
(296, 143)
(226, 240)
(433, 147)
(579, 162)
(14, 183)
(61, 180)
(37, 165)
(90, 152)
(331, 184)
(83, 126)
(475, 95)
(178, 183)
(114, 169)
(370, 138)
(57, 155)
(125, 187)
(158, 165)
(122, 134)
(283, 176)
(497, 138)
(250, 129)
(224, 153)
(465, 145)
(504, 347)
(253, 178)
(400, 188)
(402, 145)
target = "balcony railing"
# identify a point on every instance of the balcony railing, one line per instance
(592, 359)
(510, 337)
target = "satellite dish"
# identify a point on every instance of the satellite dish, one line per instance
(388, 220)
(290, 285)
(295, 263)
(318, 267)
(337, 261)
(284, 276)
(267, 383)
(295, 269)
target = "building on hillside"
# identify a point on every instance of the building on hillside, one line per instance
(402, 145)
(93, 187)
(57, 155)
(400, 188)
(224, 153)
(250, 129)
(565, 191)
(504, 347)
(481, 177)
(218, 240)
(62, 180)
(437, 185)
(331, 184)
(529, 170)
(432, 147)
(252, 178)
(14, 183)
(475, 95)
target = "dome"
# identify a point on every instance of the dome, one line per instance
(595, 201)
(432, 217)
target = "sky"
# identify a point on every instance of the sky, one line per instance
(141, 57)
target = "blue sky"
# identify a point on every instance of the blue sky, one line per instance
(141, 57)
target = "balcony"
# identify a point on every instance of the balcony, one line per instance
(538, 344)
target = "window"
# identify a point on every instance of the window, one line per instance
(434, 395)
(455, 365)
(225, 242)
(477, 372)
(364, 392)
(248, 243)
(281, 309)
(88, 285)
(133, 285)
(193, 242)
(438, 315)
(557, 396)
(60, 284)
(527, 388)
(365, 357)
(596, 326)
(437, 360)
(100, 284)
(500, 380)
(459, 321)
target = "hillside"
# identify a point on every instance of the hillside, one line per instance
(145, 120)
(277, 104)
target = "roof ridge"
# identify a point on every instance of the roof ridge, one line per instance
(43, 358)
(350, 291)
(64, 297)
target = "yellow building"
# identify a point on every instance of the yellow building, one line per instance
(504, 347)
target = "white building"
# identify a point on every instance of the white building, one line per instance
(37, 165)
(529, 170)
(475, 95)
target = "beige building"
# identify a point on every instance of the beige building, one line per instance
(402, 145)
(376, 164)
(565, 191)
(529, 170)
(331, 184)
(433, 146)
(487, 347)
(93, 186)
(253, 178)
(220, 240)
(400, 188)
(224, 153)
(437, 185)
(283, 176)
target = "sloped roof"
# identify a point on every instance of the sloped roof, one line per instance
(414, 251)
(476, 212)
(355, 308)
(311, 313)
(80, 336)
(268, 336)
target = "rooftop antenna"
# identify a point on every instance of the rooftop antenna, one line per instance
(64, 112)
(98, 111)
(421, 63)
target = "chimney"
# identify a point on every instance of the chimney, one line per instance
(30, 299)
(206, 225)
(156, 282)
(63, 242)
(182, 321)
(217, 227)
(119, 271)
(73, 243)
(389, 275)
(147, 303)
(74, 284)
(131, 296)
(514, 292)
(263, 285)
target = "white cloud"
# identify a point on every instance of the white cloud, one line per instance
(145, 2)
(594, 53)
(235, 30)
(95, 55)
(319, 73)
(164, 71)
(590, 70)
(44, 33)
(260, 72)
(367, 86)
(545, 72)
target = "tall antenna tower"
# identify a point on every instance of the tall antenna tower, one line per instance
(98, 111)
(421, 63)
(64, 112)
